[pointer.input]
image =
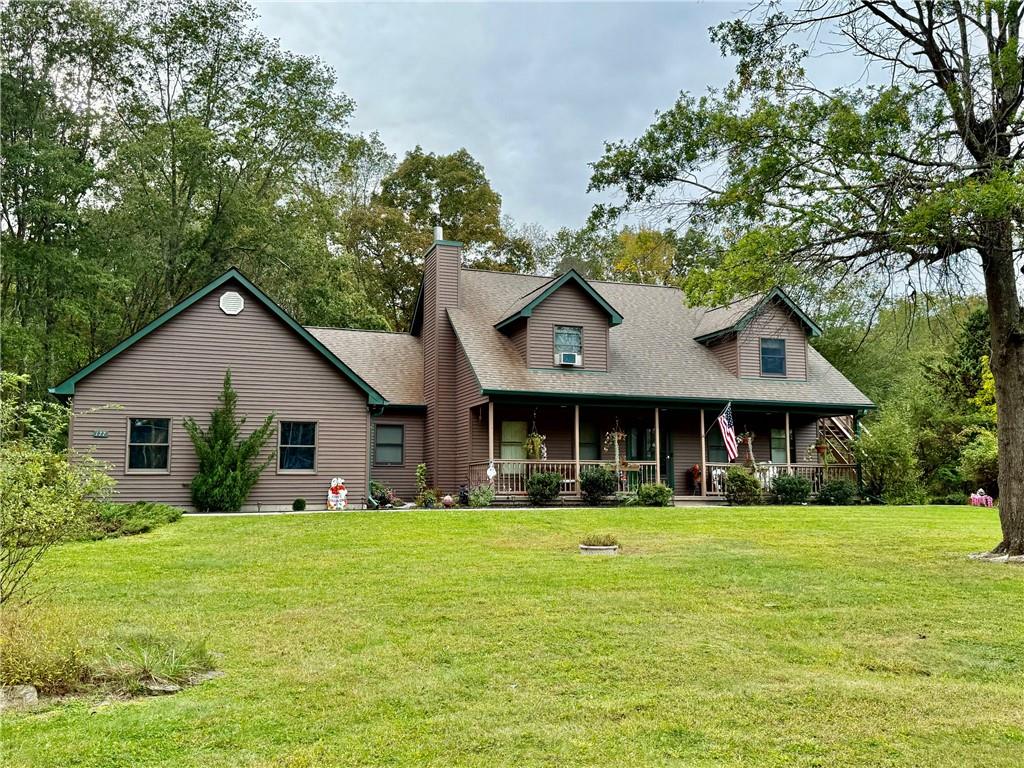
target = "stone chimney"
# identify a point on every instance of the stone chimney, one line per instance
(441, 266)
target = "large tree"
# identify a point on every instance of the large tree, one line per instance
(910, 174)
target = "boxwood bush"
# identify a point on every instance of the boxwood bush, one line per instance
(543, 487)
(597, 484)
(741, 487)
(654, 495)
(791, 489)
(481, 495)
(839, 493)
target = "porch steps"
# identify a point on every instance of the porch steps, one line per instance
(699, 501)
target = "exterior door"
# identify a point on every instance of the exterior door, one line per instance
(513, 439)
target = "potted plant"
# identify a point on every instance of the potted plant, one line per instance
(821, 445)
(599, 544)
(534, 446)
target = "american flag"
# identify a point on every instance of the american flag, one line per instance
(725, 423)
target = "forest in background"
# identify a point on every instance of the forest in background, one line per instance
(147, 148)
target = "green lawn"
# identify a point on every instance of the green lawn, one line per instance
(728, 636)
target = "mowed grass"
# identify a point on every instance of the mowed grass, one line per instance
(723, 636)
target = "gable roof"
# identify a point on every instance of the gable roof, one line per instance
(652, 354)
(67, 387)
(737, 315)
(524, 305)
(392, 363)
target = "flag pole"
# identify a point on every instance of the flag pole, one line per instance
(715, 422)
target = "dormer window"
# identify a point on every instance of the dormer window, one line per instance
(568, 345)
(773, 357)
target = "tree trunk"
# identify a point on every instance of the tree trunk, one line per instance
(1007, 362)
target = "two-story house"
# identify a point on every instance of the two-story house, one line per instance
(598, 368)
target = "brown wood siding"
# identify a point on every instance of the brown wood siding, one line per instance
(441, 268)
(519, 337)
(177, 371)
(402, 478)
(569, 305)
(467, 396)
(805, 433)
(685, 431)
(776, 323)
(727, 353)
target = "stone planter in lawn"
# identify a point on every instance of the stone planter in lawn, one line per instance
(591, 549)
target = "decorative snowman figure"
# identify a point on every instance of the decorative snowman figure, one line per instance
(337, 494)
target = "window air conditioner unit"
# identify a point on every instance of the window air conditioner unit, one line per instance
(569, 358)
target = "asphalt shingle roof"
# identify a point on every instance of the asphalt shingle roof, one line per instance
(391, 363)
(651, 354)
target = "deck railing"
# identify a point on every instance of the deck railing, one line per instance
(513, 474)
(816, 474)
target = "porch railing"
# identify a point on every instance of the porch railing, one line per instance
(513, 474)
(817, 474)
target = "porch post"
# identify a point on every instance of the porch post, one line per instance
(789, 456)
(490, 432)
(703, 455)
(576, 444)
(657, 446)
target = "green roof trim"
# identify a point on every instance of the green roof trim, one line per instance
(67, 387)
(750, 314)
(694, 401)
(571, 276)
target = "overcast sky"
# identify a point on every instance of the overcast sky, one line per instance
(531, 90)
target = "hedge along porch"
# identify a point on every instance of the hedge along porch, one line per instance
(681, 447)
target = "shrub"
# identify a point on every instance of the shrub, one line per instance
(951, 499)
(299, 505)
(228, 463)
(46, 500)
(543, 487)
(837, 493)
(481, 495)
(654, 495)
(979, 462)
(428, 498)
(140, 658)
(599, 540)
(888, 459)
(791, 489)
(41, 649)
(741, 487)
(421, 479)
(597, 484)
(382, 495)
(112, 520)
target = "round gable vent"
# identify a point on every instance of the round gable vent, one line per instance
(231, 303)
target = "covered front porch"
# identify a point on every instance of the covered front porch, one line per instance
(681, 447)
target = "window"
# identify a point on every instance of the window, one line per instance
(779, 446)
(389, 444)
(149, 444)
(297, 446)
(716, 447)
(568, 338)
(640, 444)
(590, 448)
(773, 357)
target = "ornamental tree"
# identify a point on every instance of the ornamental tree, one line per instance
(908, 178)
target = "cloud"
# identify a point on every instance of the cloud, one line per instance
(532, 91)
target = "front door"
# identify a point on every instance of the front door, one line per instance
(668, 472)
